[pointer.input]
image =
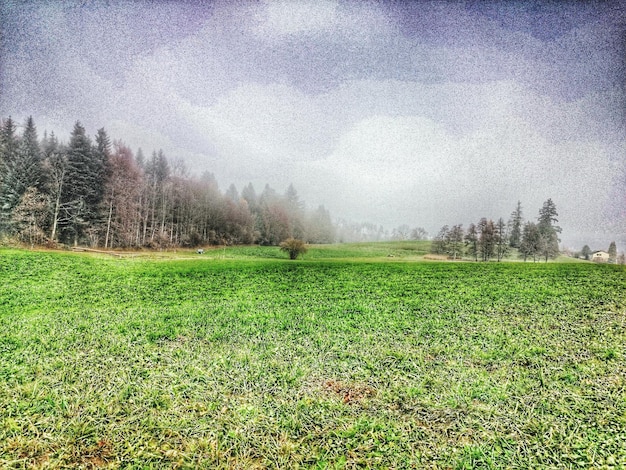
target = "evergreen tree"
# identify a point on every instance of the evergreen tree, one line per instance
(21, 168)
(502, 239)
(515, 234)
(549, 242)
(320, 228)
(249, 194)
(612, 253)
(232, 193)
(454, 241)
(81, 198)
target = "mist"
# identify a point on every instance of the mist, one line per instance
(387, 112)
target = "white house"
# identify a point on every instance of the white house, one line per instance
(600, 257)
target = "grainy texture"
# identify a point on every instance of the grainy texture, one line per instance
(270, 363)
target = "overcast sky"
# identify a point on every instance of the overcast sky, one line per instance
(424, 113)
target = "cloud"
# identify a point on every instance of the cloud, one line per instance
(283, 18)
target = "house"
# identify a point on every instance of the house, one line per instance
(600, 257)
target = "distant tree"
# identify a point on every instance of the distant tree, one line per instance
(320, 228)
(454, 241)
(232, 193)
(439, 245)
(501, 239)
(295, 210)
(548, 232)
(531, 242)
(612, 253)
(621, 259)
(418, 233)
(401, 233)
(249, 194)
(486, 238)
(293, 247)
(515, 222)
(471, 241)
(586, 252)
(273, 219)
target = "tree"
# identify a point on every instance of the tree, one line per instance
(454, 241)
(55, 167)
(548, 232)
(439, 245)
(249, 194)
(295, 211)
(486, 238)
(29, 217)
(319, 227)
(612, 253)
(502, 239)
(586, 252)
(401, 233)
(530, 245)
(122, 198)
(515, 222)
(21, 168)
(294, 247)
(418, 233)
(471, 241)
(82, 197)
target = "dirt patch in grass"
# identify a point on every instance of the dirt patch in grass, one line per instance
(349, 393)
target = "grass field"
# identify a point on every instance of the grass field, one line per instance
(238, 359)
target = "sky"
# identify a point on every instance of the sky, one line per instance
(390, 112)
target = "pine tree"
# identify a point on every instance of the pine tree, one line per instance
(81, 198)
(549, 242)
(515, 234)
(612, 253)
(502, 239)
(21, 167)
(454, 241)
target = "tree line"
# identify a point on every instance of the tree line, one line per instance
(487, 239)
(99, 193)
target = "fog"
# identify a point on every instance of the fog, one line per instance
(418, 113)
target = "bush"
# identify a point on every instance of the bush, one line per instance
(294, 247)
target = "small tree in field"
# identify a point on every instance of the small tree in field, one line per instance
(294, 247)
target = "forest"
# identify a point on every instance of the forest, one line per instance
(100, 194)
(488, 239)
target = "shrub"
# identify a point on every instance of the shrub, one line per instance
(294, 247)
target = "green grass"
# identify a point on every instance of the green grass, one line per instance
(253, 362)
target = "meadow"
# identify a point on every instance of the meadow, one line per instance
(355, 357)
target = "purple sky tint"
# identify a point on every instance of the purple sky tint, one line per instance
(425, 113)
